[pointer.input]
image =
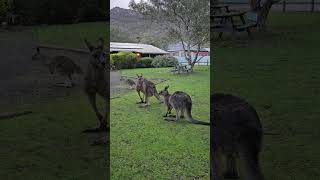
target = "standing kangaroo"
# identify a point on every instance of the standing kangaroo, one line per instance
(96, 82)
(62, 64)
(148, 89)
(237, 132)
(181, 102)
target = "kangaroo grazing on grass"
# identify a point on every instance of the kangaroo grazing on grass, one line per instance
(64, 65)
(181, 102)
(148, 89)
(238, 134)
(96, 82)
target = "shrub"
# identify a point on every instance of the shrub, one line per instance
(145, 62)
(164, 61)
(123, 60)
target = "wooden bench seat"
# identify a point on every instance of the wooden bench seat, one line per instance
(244, 27)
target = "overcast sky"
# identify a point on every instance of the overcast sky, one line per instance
(119, 3)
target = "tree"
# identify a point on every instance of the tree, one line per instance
(3, 8)
(187, 21)
(117, 35)
(262, 9)
(160, 40)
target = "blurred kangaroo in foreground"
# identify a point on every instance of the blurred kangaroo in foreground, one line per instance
(148, 89)
(181, 102)
(62, 64)
(96, 82)
(237, 132)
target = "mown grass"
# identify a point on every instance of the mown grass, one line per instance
(70, 36)
(144, 146)
(48, 144)
(279, 69)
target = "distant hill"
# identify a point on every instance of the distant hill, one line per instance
(128, 25)
(127, 20)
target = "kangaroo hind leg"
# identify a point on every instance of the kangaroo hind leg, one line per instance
(141, 100)
(250, 167)
(231, 167)
(182, 113)
(92, 100)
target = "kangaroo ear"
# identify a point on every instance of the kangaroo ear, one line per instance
(141, 74)
(137, 75)
(89, 46)
(100, 43)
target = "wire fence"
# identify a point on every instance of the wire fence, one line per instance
(207, 63)
(283, 5)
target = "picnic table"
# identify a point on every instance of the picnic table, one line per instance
(227, 22)
(180, 68)
(219, 8)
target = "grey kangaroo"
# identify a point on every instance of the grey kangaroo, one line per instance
(130, 82)
(96, 82)
(64, 65)
(148, 89)
(181, 102)
(236, 135)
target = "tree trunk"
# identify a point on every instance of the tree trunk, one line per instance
(262, 12)
(263, 15)
(215, 2)
(191, 63)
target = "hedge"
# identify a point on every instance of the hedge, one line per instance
(164, 61)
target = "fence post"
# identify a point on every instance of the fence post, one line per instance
(312, 5)
(284, 6)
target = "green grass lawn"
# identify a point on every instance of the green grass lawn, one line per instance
(72, 35)
(280, 69)
(48, 144)
(144, 146)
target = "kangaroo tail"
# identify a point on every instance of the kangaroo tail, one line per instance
(194, 121)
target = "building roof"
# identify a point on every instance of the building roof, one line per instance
(134, 47)
(178, 47)
(207, 49)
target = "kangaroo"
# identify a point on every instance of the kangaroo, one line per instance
(236, 135)
(96, 81)
(148, 89)
(130, 82)
(181, 102)
(62, 64)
